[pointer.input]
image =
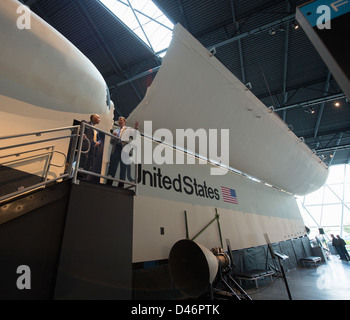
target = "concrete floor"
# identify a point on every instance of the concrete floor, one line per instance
(329, 281)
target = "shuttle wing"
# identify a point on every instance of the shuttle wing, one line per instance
(194, 90)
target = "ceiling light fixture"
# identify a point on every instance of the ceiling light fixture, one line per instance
(295, 26)
(309, 110)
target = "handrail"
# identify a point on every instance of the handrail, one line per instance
(50, 153)
(38, 133)
(77, 133)
(34, 142)
(65, 159)
(23, 152)
(27, 158)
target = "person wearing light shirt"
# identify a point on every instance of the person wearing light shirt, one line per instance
(116, 158)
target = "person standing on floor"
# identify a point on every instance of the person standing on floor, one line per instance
(335, 244)
(342, 248)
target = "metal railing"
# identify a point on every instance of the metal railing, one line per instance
(80, 170)
(71, 165)
(32, 155)
(14, 149)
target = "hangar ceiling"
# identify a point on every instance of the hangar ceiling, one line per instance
(256, 40)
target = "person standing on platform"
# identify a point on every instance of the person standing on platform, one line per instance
(94, 138)
(116, 154)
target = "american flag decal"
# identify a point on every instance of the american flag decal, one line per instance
(229, 195)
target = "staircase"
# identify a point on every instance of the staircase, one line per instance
(61, 238)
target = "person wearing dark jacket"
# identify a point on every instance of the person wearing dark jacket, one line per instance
(342, 248)
(335, 244)
(92, 135)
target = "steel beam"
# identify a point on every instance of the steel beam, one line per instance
(235, 38)
(285, 65)
(145, 15)
(312, 102)
(104, 47)
(320, 113)
(138, 21)
(239, 43)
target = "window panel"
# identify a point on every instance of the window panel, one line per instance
(326, 204)
(330, 197)
(314, 197)
(337, 189)
(150, 21)
(316, 212)
(346, 217)
(336, 174)
(331, 215)
(347, 192)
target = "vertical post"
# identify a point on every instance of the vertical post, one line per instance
(210, 290)
(187, 235)
(285, 279)
(136, 172)
(73, 147)
(217, 219)
(343, 205)
(48, 163)
(77, 162)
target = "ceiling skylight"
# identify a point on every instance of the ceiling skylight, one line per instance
(145, 19)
